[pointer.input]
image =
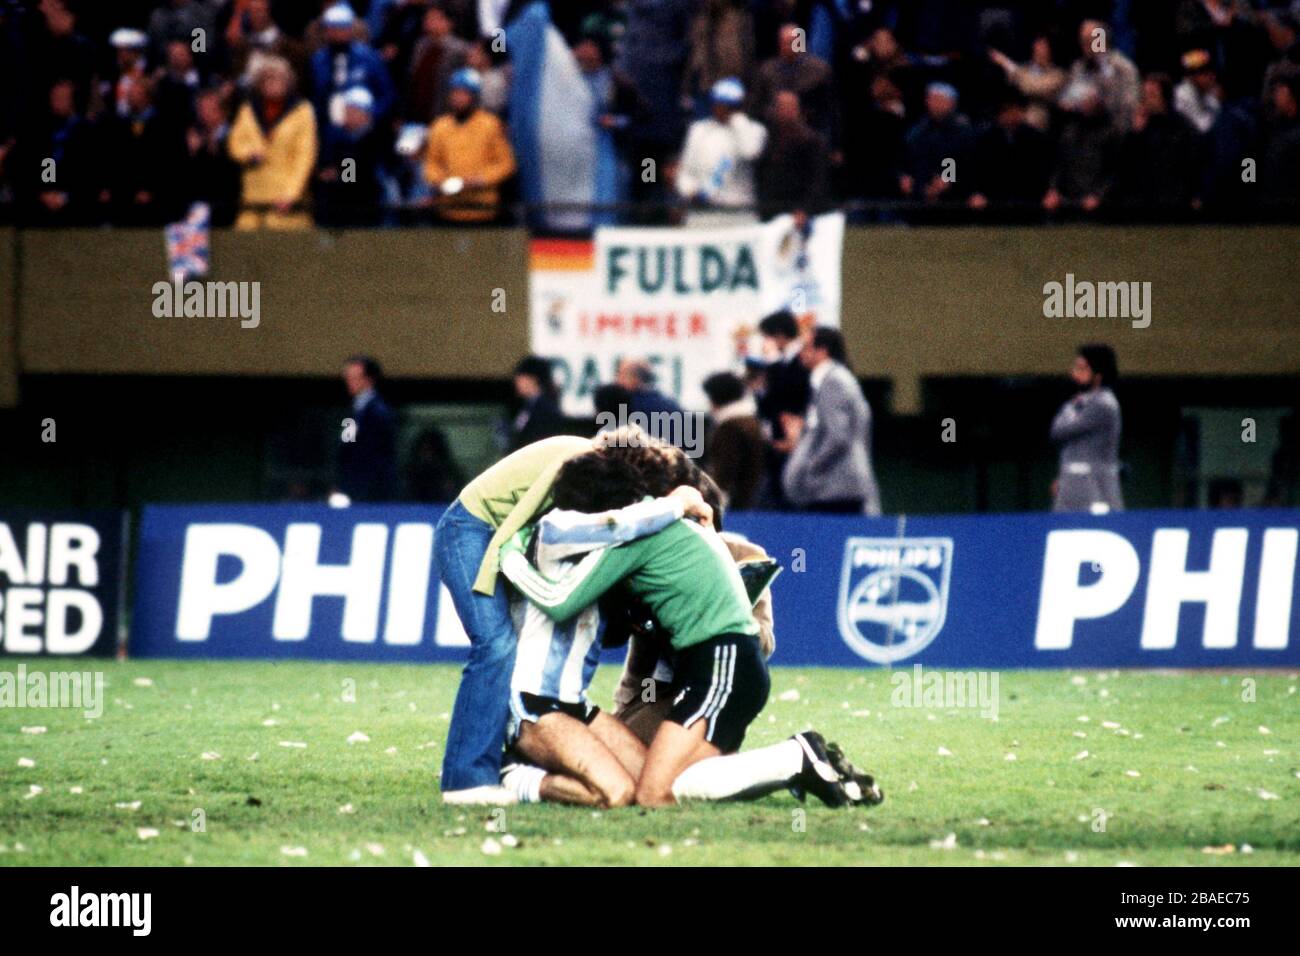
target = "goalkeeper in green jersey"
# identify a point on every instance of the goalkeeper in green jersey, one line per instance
(688, 579)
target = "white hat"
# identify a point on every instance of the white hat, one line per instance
(359, 97)
(124, 38)
(339, 15)
(728, 90)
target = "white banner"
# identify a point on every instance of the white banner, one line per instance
(680, 298)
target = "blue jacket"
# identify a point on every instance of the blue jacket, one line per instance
(364, 68)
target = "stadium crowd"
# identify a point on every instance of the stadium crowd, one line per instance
(280, 112)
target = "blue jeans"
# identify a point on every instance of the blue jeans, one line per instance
(478, 720)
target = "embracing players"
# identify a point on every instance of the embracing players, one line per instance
(687, 578)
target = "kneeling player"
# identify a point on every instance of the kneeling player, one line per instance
(568, 750)
(687, 578)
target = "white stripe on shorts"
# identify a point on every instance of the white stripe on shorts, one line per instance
(713, 688)
(726, 693)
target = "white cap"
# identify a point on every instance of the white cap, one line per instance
(339, 15)
(729, 91)
(359, 97)
(125, 38)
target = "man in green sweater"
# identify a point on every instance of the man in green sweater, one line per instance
(687, 577)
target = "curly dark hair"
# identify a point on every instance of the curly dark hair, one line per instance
(661, 467)
(595, 481)
(620, 473)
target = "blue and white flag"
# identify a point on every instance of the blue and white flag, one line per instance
(564, 155)
(188, 243)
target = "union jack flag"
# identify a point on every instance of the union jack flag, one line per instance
(187, 243)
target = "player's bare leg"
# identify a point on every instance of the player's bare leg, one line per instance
(673, 749)
(622, 742)
(566, 746)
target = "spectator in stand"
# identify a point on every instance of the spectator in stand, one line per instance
(178, 20)
(494, 96)
(176, 84)
(61, 194)
(274, 141)
(785, 392)
(639, 379)
(468, 156)
(129, 56)
(717, 164)
(721, 45)
(1087, 153)
(1040, 81)
(437, 56)
(1235, 33)
(795, 70)
(348, 188)
(873, 144)
(212, 176)
(1103, 68)
(1013, 160)
(792, 171)
(540, 416)
(367, 460)
(345, 62)
(143, 151)
(829, 468)
(1278, 167)
(736, 454)
(880, 55)
(254, 34)
(1159, 159)
(1198, 97)
(59, 52)
(1087, 430)
(617, 105)
(938, 150)
(403, 25)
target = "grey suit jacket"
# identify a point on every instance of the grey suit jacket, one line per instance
(1087, 431)
(832, 460)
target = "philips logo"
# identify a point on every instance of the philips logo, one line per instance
(893, 595)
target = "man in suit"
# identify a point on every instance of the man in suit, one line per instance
(1086, 432)
(539, 414)
(368, 452)
(736, 451)
(829, 468)
(785, 393)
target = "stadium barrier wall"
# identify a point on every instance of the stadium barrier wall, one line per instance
(917, 303)
(1141, 589)
(62, 582)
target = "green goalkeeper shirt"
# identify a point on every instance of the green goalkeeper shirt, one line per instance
(684, 573)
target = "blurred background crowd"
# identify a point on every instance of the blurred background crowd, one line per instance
(278, 113)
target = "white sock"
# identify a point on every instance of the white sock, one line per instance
(753, 773)
(525, 781)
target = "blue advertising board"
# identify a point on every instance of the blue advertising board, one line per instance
(1140, 589)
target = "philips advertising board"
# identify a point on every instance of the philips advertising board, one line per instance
(1143, 589)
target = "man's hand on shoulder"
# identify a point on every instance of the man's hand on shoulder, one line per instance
(693, 504)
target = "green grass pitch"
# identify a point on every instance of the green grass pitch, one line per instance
(217, 763)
